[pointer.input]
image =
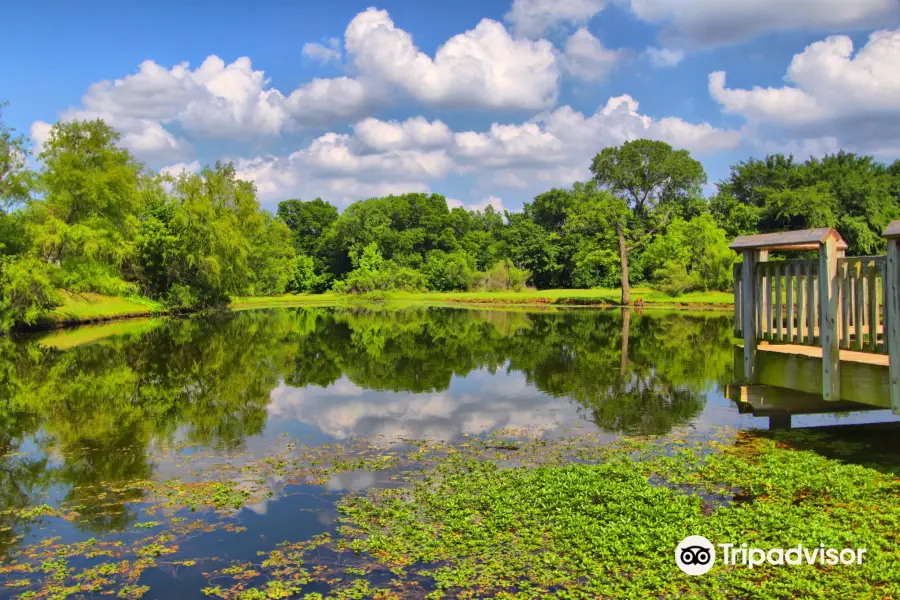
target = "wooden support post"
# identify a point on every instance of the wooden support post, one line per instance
(892, 318)
(737, 278)
(829, 328)
(749, 313)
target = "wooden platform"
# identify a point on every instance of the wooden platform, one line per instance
(865, 377)
(868, 358)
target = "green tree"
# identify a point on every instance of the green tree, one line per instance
(86, 218)
(656, 184)
(449, 272)
(307, 221)
(26, 291)
(15, 178)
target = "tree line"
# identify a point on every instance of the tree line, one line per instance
(92, 219)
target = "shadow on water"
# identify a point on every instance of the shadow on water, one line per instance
(872, 445)
(78, 423)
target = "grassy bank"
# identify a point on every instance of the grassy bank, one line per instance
(89, 308)
(592, 297)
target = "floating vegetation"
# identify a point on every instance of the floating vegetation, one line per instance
(507, 516)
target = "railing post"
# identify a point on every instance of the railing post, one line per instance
(892, 310)
(829, 333)
(748, 313)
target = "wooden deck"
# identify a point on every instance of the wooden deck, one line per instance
(850, 356)
(864, 376)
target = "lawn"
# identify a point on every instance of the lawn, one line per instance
(569, 297)
(86, 307)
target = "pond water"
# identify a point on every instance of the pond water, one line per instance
(81, 417)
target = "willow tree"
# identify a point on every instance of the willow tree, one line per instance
(654, 183)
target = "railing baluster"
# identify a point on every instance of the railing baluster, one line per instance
(843, 273)
(873, 307)
(858, 305)
(768, 292)
(801, 310)
(811, 311)
(778, 314)
(789, 293)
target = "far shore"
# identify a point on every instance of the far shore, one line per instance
(79, 309)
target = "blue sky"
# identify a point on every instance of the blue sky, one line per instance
(481, 101)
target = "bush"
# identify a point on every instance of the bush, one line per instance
(503, 276)
(303, 279)
(673, 279)
(26, 291)
(373, 273)
(453, 272)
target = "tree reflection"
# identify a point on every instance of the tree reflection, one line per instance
(99, 407)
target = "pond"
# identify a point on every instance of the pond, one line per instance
(103, 437)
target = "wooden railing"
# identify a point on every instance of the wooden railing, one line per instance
(788, 309)
(863, 299)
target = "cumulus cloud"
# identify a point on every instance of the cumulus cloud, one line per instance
(585, 57)
(492, 201)
(181, 167)
(663, 57)
(555, 148)
(532, 18)
(483, 67)
(713, 22)
(40, 134)
(832, 94)
(383, 157)
(321, 53)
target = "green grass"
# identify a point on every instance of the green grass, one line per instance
(528, 297)
(87, 307)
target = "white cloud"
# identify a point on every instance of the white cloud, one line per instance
(480, 68)
(40, 134)
(493, 201)
(321, 53)
(585, 57)
(416, 132)
(345, 167)
(663, 57)
(382, 157)
(835, 95)
(483, 67)
(556, 148)
(711, 22)
(532, 18)
(182, 167)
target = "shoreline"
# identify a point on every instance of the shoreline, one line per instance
(93, 309)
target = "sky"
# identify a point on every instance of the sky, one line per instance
(482, 101)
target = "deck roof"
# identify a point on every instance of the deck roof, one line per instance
(893, 230)
(802, 239)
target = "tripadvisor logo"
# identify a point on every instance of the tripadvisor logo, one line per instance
(695, 555)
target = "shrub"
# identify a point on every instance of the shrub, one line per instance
(304, 279)
(451, 272)
(503, 276)
(26, 291)
(673, 279)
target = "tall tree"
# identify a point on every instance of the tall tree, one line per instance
(15, 178)
(655, 182)
(87, 216)
(307, 221)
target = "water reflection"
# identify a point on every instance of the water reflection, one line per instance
(73, 418)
